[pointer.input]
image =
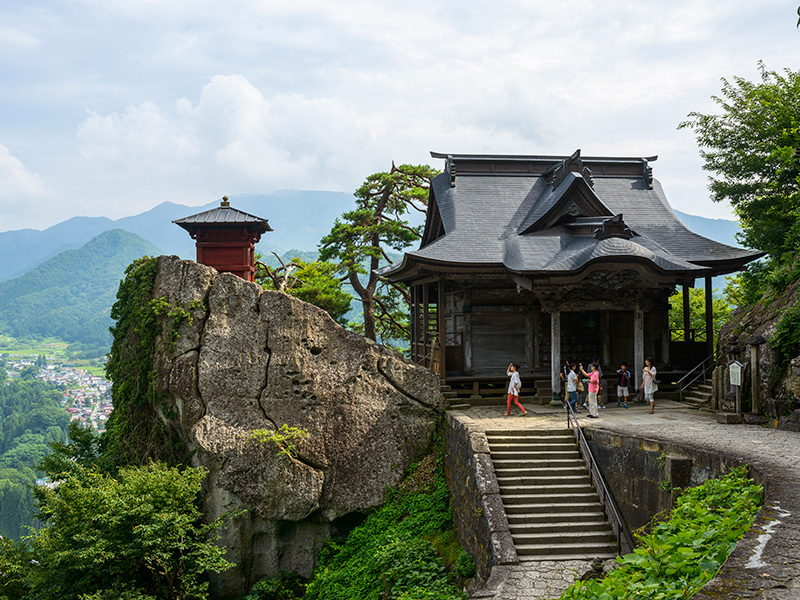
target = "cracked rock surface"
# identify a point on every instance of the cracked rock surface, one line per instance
(250, 359)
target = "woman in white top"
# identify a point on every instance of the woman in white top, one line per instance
(649, 382)
(572, 388)
(514, 387)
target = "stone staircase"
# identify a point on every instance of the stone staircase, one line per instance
(553, 510)
(698, 396)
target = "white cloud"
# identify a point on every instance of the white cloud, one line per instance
(20, 191)
(190, 99)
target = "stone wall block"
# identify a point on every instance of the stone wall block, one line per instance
(485, 477)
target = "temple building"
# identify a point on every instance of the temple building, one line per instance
(226, 238)
(533, 259)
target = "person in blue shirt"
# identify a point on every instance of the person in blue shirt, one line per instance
(622, 384)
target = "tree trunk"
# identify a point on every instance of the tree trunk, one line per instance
(369, 319)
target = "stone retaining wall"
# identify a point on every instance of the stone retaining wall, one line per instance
(478, 513)
(645, 476)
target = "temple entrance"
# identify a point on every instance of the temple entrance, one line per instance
(581, 336)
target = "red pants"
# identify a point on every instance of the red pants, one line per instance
(516, 401)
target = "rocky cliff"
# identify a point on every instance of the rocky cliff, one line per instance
(250, 359)
(770, 382)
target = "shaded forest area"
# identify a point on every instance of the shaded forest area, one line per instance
(31, 417)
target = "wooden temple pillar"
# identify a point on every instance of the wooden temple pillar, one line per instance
(441, 320)
(605, 335)
(555, 351)
(638, 343)
(687, 321)
(427, 360)
(709, 317)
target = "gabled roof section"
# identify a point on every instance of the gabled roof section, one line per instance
(572, 197)
(434, 227)
(222, 216)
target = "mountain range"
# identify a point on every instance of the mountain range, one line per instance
(299, 220)
(69, 296)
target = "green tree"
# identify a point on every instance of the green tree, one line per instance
(360, 239)
(697, 311)
(315, 282)
(139, 534)
(753, 151)
(81, 451)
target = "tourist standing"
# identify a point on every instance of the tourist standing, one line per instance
(649, 384)
(594, 387)
(601, 401)
(572, 387)
(514, 386)
(622, 383)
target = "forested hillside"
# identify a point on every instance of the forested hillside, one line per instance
(70, 295)
(31, 416)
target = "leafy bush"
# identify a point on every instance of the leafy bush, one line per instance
(680, 555)
(286, 586)
(140, 532)
(465, 566)
(786, 340)
(390, 553)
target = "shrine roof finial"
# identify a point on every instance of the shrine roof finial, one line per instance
(225, 203)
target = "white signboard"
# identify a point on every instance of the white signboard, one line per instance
(736, 373)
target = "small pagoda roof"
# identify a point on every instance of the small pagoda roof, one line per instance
(224, 216)
(545, 215)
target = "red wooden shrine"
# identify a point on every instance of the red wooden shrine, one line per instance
(226, 238)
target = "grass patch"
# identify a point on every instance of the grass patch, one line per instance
(681, 554)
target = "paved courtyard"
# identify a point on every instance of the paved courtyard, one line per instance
(766, 563)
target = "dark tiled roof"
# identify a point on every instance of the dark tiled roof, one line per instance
(485, 215)
(223, 215)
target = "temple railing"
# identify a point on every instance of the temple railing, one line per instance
(702, 370)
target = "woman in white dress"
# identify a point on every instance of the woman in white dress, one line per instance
(649, 382)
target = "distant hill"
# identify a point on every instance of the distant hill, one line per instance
(719, 230)
(70, 295)
(299, 218)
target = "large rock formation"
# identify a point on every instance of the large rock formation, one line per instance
(250, 359)
(768, 387)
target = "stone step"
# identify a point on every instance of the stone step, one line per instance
(546, 490)
(528, 432)
(548, 518)
(445, 388)
(565, 537)
(543, 480)
(554, 508)
(519, 464)
(559, 550)
(571, 556)
(697, 394)
(532, 441)
(562, 526)
(550, 446)
(530, 455)
(553, 498)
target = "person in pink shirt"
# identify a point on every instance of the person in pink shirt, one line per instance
(594, 387)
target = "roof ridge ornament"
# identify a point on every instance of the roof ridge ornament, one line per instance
(647, 172)
(450, 169)
(613, 227)
(225, 203)
(571, 164)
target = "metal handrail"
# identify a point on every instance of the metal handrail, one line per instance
(702, 373)
(624, 540)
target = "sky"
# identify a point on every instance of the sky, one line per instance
(108, 108)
